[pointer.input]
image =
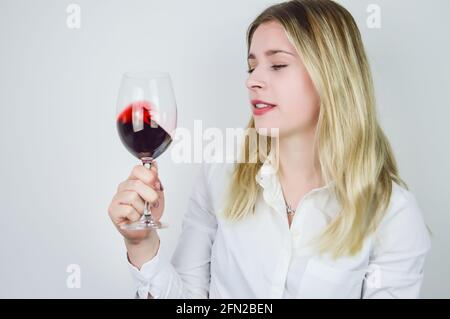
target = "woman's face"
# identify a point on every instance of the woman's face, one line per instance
(280, 79)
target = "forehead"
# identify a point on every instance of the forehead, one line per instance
(270, 34)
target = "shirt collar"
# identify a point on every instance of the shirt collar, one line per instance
(267, 178)
(269, 170)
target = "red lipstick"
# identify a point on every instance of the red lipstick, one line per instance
(263, 110)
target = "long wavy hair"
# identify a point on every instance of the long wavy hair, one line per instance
(352, 149)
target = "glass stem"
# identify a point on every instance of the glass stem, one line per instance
(147, 217)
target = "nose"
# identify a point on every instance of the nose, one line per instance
(255, 81)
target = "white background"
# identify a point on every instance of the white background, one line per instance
(61, 158)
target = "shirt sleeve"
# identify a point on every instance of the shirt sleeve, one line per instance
(396, 266)
(187, 274)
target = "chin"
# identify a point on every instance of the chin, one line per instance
(272, 132)
(268, 131)
(266, 127)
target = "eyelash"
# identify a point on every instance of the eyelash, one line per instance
(273, 66)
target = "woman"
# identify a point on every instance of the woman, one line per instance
(334, 221)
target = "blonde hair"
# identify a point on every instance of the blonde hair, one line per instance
(352, 149)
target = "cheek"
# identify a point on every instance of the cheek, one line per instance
(300, 103)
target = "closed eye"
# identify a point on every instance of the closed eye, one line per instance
(275, 67)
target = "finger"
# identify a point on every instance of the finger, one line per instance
(136, 185)
(154, 168)
(120, 213)
(132, 214)
(147, 176)
(131, 198)
(157, 185)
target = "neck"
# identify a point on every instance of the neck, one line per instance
(297, 160)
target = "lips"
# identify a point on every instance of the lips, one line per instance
(261, 110)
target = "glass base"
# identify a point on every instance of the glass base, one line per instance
(145, 223)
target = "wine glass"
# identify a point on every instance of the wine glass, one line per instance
(146, 122)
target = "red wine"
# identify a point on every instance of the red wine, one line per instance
(140, 133)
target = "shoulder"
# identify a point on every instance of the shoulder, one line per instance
(403, 225)
(216, 177)
(216, 172)
(403, 206)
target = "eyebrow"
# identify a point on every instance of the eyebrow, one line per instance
(251, 56)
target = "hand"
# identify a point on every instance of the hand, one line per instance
(127, 204)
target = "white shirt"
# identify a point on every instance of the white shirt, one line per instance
(261, 257)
